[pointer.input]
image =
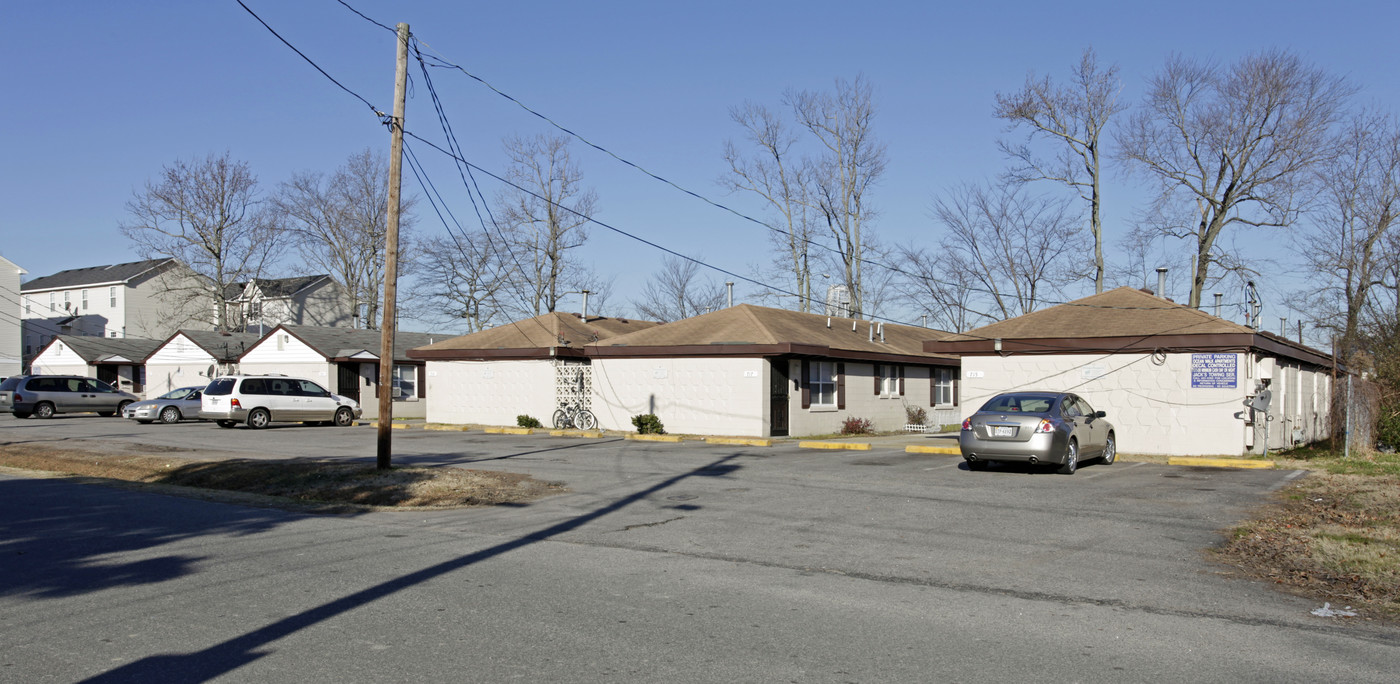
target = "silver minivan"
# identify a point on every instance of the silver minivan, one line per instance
(260, 400)
(43, 396)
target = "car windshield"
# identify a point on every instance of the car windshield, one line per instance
(1023, 403)
(182, 393)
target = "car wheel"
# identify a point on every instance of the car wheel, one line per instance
(225, 423)
(259, 419)
(43, 410)
(121, 408)
(1071, 459)
(344, 417)
(976, 465)
(170, 414)
(1110, 451)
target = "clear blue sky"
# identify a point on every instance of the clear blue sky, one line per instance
(106, 93)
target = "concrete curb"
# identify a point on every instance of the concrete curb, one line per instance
(447, 428)
(396, 426)
(916, 449)
(836, 446)
(1218, 462)
(508, 431)
(591, 434)
(739, 441)
(652, 438)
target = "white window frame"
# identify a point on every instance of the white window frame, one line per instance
(85, 300)
(821, 383)
(53, 306)
(112, 296)
(889, 380)
(400, 370)
(945, 387)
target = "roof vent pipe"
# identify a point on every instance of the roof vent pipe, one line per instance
(730, 284)
(870, 334)
(882, 333)
(828, 321)
(1218, 295)
(584, 317)
(1162, 282)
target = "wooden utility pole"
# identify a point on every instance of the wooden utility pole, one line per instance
(391, 259)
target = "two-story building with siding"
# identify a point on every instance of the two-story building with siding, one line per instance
(118, 300)
(11, 331)
(265, 303)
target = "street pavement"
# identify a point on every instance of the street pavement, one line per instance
(663, 562)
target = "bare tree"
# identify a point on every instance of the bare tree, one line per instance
(460, 280)
(852, 161)
(780, 179)
(1012, 248)
(1236, 143)
(1358, 212)
(676, 291)
(1073, 115)
(209, 215)
(936, 287)
(547, 218)
(340, 225)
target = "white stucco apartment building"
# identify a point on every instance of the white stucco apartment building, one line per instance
(1173, 380)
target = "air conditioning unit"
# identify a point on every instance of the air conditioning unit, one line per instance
(398, 392)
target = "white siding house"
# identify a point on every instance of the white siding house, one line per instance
(266, 303)
(194, 357)
(119, 362)
(11, 311)
(1173, 380)
(345, 361)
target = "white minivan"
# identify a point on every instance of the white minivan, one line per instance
(260, 400)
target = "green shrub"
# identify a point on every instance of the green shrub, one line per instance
(648, 424)
(857, 426)
(1388, 426)
(527, 421)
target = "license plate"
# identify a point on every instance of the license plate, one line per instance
(1003, 432)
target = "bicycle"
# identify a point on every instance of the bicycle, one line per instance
(573, 415)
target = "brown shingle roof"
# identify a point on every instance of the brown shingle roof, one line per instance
(755, 330)
(1125, 320)
(531, 338)
(1123, 312)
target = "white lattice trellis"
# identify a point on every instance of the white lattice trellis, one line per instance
(573, 383)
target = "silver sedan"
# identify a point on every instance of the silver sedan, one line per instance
(1037, 427)
(171, 407)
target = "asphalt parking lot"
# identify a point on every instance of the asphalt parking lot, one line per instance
(663, 561)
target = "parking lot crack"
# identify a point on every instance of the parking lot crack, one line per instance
(652, 524)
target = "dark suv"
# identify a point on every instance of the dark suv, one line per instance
(45, 395)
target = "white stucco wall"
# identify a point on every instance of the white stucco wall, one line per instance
(1151, 402)
(708, 396)
(489, 392)
(11, 310)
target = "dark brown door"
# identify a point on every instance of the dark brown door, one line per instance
(778, 399)
(348, 380)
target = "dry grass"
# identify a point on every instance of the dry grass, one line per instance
(1332, 536)
(302, 481)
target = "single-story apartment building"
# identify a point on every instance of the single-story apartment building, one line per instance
(1173, 380)
(194, 357)
(523, 368)
(745, 370)
(117, 361)
(346, 361)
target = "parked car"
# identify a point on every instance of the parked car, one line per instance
(43, 396)
(260, 400)
(171, 407)
(1037, 427)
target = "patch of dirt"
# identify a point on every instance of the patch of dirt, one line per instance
(1335, 538)
(302, 481)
